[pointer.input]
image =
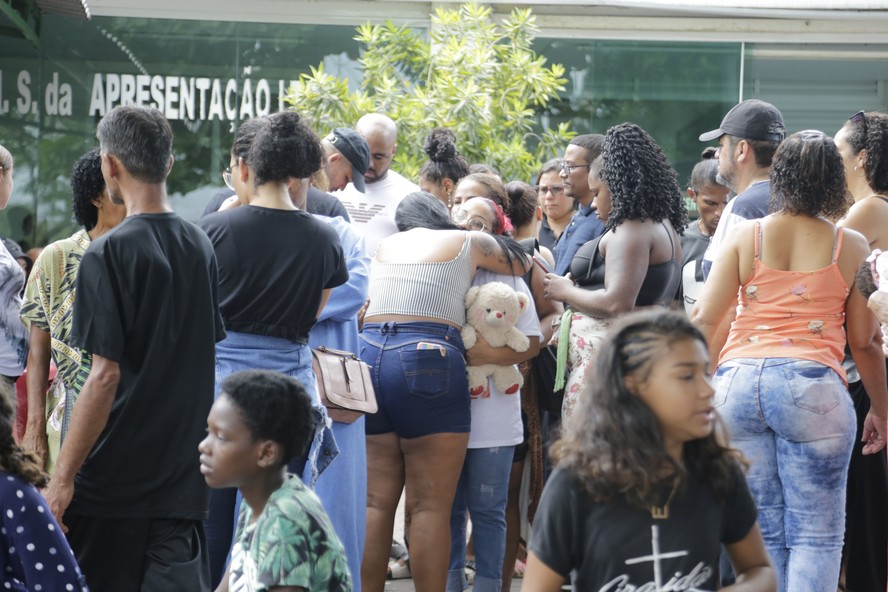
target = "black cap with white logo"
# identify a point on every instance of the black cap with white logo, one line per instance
(352, 146)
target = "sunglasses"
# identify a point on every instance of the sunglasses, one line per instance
(859, 117)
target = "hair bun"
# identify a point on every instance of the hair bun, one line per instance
(708, 153)
(440, 145)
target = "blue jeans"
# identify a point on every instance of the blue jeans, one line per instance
(343, 491)
(419, 376)
(794, 422)
(483, 491)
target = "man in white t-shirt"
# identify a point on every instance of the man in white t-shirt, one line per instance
(373, 211)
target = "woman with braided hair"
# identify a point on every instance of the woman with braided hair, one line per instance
(34, 554)
(635, 263)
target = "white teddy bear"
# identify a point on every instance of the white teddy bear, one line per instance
(492, 310)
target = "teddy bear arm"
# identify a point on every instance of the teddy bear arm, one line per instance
(518, 341)
(469, 337)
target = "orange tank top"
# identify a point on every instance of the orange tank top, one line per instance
(790, 314)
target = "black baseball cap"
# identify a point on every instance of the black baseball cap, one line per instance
(353, 146)
(751, 120)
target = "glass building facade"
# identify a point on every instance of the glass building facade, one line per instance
(207, 76)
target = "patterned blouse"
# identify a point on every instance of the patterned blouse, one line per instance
(49, 300)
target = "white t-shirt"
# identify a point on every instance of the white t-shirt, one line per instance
(496, 420)
(373, 213)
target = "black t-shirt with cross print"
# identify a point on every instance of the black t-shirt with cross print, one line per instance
(616, 547)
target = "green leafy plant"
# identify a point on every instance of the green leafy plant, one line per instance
(479, 78)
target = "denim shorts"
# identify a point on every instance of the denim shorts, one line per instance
(419, 375)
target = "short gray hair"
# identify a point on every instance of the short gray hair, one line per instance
(140, 138)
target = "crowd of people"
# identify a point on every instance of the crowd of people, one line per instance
(702, 402)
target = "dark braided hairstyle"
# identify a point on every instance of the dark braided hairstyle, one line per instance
(13, 458)
(613, 443)
(871, 133)
(643, 184)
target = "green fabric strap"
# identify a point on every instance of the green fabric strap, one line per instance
(561, 360)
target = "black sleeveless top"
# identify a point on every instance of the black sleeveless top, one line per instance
(660, 282)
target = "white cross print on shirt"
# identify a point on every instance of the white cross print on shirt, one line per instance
(656, 557)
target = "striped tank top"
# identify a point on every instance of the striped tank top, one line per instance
(435, 289)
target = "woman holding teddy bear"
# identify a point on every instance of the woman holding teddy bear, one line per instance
(411, 337)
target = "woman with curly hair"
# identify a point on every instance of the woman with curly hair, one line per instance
(634, 263)
(48, 309)
(645, 490)
(863, 144)
(445, 166)
(781, 387)
(34, 553)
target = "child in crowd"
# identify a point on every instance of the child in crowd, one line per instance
(284, 540)
(645, 490)
(34, 554)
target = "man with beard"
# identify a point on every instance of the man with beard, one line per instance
(747, 138)
(585, 225)
(373, 211)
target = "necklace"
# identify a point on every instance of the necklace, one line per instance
(662, 512)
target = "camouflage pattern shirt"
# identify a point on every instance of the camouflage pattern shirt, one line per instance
(291, 543)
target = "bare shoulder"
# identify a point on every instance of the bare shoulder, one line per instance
(420, 245)
(854, 245)
(547, 255)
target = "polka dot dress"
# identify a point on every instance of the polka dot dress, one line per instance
(34, 554)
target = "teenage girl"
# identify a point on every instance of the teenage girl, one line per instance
(645, 491)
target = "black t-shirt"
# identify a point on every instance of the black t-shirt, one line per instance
(273, 266)
(615, 546)
(318, 202)
(147, 299)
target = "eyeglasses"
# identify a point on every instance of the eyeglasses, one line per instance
(226, 176)
(859, 117)
(460, 216)
(569, 168)
(553, 189)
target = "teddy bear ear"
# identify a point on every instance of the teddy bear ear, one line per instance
(523, 300)
(471, 295)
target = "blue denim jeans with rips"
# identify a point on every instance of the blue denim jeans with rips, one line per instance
(794, 422)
